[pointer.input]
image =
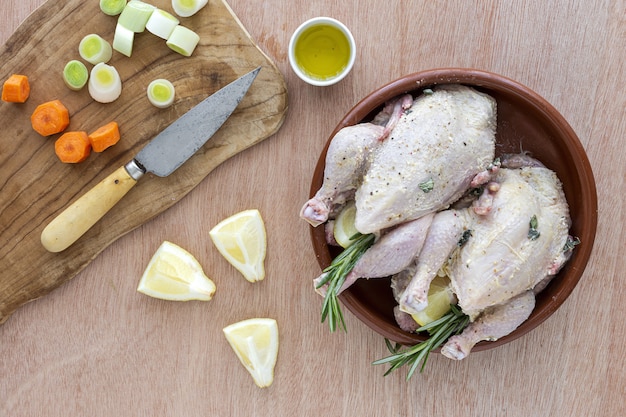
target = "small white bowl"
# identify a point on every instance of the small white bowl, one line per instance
(297, 38)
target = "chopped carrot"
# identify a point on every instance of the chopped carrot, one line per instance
(73, 147)
(50, 118)
(105, 136)
(16, 89)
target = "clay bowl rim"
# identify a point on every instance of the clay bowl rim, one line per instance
(586, 211)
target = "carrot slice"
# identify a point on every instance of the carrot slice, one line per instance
(16, 89)
(105, 136)
(73, 147)
(50, 118)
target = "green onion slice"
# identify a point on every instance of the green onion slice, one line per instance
(75, 75)
(135, 15)
(105, 84)
(183, 40)
(187, 8)
(161, 93)
(112, 7)
(161, 24)
(123, 40)
(94, 49)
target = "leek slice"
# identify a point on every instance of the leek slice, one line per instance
(187, 8)
(105, 84)
(135, 15)
(94, 49)
(161, 93)
(112, 7)
(75, 75)
(161, 24)
(123, 40)
(183, 40)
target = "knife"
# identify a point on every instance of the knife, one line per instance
(161, 156)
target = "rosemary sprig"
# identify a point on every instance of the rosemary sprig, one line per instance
(335, 275)
(439, 331)
(533, 233)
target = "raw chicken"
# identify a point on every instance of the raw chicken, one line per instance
(389, 255)
(430, 158)
(347, 159)
(423, 160)
(513, 241)
(405, 170)
(494, 323)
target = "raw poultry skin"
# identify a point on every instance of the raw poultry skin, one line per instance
(405, 169)
(347, 159)
(430, 158)
(504, 261)
(422, 160)
(455, 123)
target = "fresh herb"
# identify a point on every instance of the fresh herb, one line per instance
(533, 233)
(476, 192)
(427, 186)
(466, 235)
(571, 243)
(335, 275)
(439, 331)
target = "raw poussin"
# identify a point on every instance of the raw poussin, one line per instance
(429, 152)
(405, 169)
(498, 253)
(422, 160)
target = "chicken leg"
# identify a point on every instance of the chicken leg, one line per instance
(494, 323)
(347, 160)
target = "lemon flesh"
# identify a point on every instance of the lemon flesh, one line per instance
(439, 298)
(241, 239)
(344, 229)
(255, 341)
(174, 274)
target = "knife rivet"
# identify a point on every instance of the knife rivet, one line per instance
(117, 181)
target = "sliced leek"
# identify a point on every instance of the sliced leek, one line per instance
(75, 75)
(161, 24)
(123, 40)
(135, 15)
(105, 84)
(187, 8)
(94, 49)
(112, 7)
(183, 40)
(161, 93)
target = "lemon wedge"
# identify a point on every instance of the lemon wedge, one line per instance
(255, 341)
(344, 225)
(439, 299)
(174, 274)
(241, 239)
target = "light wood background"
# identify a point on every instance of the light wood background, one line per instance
(96, 347)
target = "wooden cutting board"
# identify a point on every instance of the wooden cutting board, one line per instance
(36, 186)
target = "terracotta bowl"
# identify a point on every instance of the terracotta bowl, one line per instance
(525, 122)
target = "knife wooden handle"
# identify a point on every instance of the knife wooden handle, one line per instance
(76, 219)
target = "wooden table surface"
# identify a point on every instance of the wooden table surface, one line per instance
(96, 347)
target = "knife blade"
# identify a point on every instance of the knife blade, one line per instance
(161, 156)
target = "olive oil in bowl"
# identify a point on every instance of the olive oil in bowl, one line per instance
(321, 51)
